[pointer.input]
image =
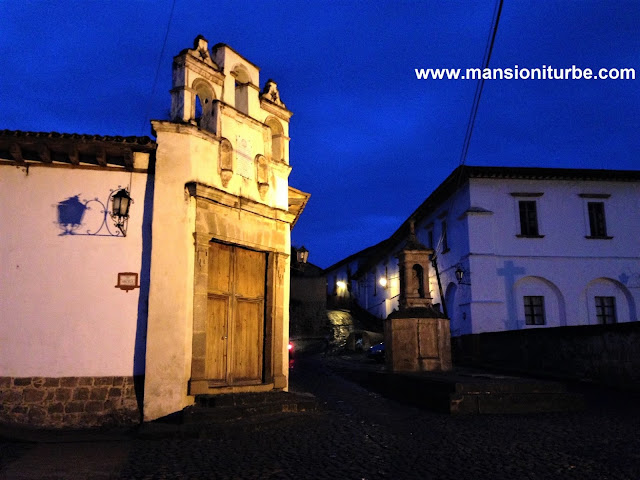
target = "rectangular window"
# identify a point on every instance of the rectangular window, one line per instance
(528, 218)
(445, 243)
(534, 310)
(430, 238)
(597, 221)
(606, 309)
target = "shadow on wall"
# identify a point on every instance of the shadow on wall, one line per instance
(140, 350)
(86, 217)
(509, 272)
(76, 216)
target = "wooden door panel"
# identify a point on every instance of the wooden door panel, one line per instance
(250, 273)
(220, 257)
(217, 332)
(235, 322)
(247, 344)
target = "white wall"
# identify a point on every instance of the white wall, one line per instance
(563, 266)
(452, 211)
(382, 301)
(566, 268)
(338, 283)
(60, 313)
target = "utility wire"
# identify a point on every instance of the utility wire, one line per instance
(491, 39)
(485, 64)
(155, 80)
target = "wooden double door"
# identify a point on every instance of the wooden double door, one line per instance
(235, 325)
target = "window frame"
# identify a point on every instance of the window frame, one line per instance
(529, 225)
(527, 198)
(443, 236)
(597, 220)
(530, 314)
(601, 310)
(591, 229)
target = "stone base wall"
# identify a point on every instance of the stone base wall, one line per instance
(607, 354)
(69, 401)
(307, 319)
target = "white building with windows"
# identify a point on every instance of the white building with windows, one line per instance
(514, 248)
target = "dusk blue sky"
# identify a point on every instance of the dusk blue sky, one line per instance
(369, 141)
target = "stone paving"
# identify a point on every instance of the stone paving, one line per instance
(358, 435)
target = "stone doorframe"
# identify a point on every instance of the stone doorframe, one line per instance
(273, 341)
(226, 218)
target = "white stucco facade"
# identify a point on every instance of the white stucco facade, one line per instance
(207, 239)
(61, 315)
(563, 262)
(221, 177)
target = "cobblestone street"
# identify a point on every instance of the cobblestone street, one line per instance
(359, 435)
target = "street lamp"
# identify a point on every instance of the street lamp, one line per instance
(460, 276)
(120, 203)
(302, 255)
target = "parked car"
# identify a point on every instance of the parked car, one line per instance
(376, 352)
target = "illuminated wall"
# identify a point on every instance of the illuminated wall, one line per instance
(563, 263)
(61, 315)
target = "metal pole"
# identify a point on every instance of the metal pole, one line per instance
(434, 262)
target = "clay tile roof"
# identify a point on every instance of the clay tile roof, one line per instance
(369, 256)
(130, 140)
(72, 148)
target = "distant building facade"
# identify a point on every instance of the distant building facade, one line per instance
(201, 297)
(514, 248)
(308, 301)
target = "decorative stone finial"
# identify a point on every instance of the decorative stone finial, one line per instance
(271, 93)
(412, 241)
(201, 45)
(201, 50)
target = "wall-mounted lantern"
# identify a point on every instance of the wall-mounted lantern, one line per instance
(120, 203)
(302, 255)
(341, 284)
(460, 273)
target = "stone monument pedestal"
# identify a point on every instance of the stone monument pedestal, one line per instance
(417, 340)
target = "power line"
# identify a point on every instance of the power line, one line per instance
(155, 80)
(485, 64)
(491, 38)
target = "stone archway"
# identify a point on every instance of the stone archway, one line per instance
(554, 304)
(203, 105)
(451, 303)
(607, 288)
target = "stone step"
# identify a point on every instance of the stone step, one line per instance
(233, 406)
(497, 403)
(463, 393)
